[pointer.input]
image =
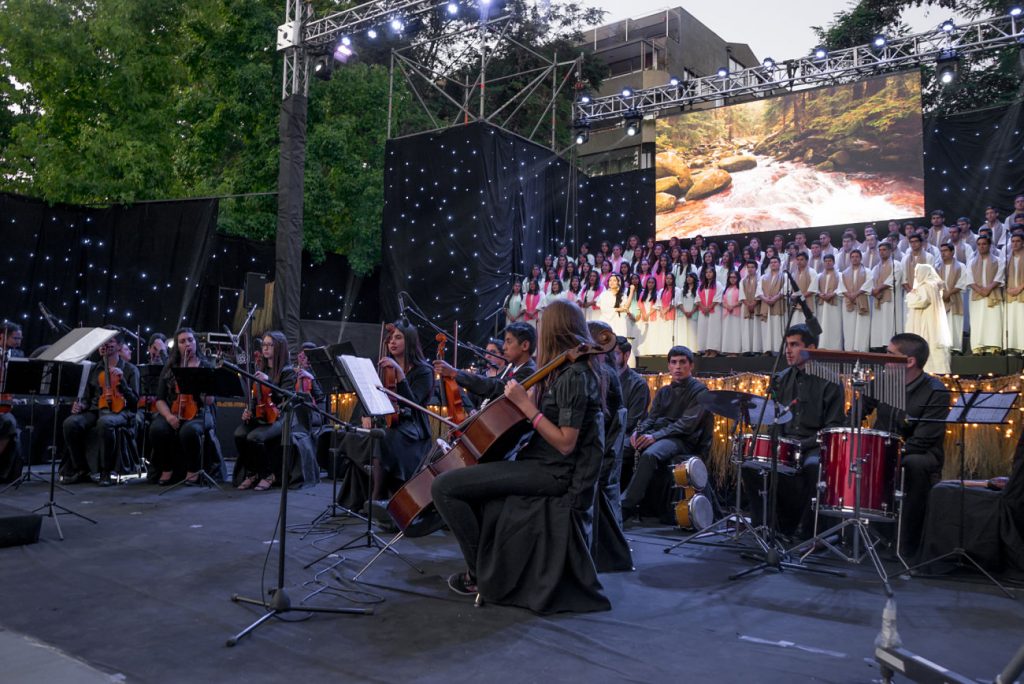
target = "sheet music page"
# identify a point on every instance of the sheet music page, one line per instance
(363, 375)
(991, 408)
(77, 345)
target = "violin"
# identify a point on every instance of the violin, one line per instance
(388, 375)
(184, 405)
(261, 401)
(487, 435)
(450, 394)
(111, 398)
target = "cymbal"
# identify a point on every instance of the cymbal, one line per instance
(743, 406)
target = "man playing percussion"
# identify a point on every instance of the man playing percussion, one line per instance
(676, 425)
(816, 404)
(927, 399)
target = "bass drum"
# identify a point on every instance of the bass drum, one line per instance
(694, 511)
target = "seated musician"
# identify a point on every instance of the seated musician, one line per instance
(923, 449)
(258, 437)
(676, 426)
(636, 396)
(176, 432)
(567, 437)
(490, 367)
(305, 422)
(407, 440)
(109, 403)
(10, 464)
(815, 404)
(520, 342)
(157, 348)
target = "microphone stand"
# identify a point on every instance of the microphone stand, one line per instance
(468, 346)
(279, 602)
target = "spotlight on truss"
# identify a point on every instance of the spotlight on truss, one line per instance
(453, 8)
(1016, 11)
(632, 119)
(673, 81)
(820, 52)
(397, 25)
(768, 63)
(584, 98)
(371, 34)
(323, 66)
(948, 26)
(627, 92)
(878, 42)
(722, 72)
(947, 69)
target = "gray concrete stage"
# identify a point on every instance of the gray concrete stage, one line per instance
(145, 594)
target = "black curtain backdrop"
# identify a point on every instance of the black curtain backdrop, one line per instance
(467, 208)
(153, 266)
(290, 183)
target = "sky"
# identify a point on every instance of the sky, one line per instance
(781, 30)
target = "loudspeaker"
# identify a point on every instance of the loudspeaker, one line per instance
(18, 527)
(255, 292)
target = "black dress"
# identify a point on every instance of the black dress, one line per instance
(259, 443)
(522, 524)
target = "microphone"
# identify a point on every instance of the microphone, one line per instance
(812, 322)
(401, 310)
(47, 318)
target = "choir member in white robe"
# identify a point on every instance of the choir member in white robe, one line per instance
(954, 281)
(709, 305)
(963, 252)
(750, 332)
(807, 282)
(668, 303)
(532, 303)
(514, 304)
(613, 307)
(773, 306)
(938, 232)
(926, 316)
(732, 315)
(829, 302)
(686, 318)
(1015, 295)
(887, 281)
(915, 255)
(855, 287)
(588, 296)
(815, 263)
(646, 319)
(986, 274)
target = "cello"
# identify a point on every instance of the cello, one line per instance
(486, 436)
(450, 394)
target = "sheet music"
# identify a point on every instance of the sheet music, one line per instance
(363, 375)
(989, 408)
(77, 345)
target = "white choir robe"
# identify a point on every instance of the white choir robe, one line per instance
(829, 316)
(955, 321)
(907, 265)
(588, 302)
(686, 327)
(732, 323)
(750, 330)
(812, 289)
(772, 326)
(709, 327)
(647, 343)
(986, 321)
(1015, 304)
(885, 316)
(664, 335)
(856, 327)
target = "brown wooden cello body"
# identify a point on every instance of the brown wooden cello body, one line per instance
(486, 436)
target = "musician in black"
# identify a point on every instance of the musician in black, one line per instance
(10, 464)
(10, 339)
(815, 404)
(520, 342)
(306, 423)
(636, 396)
(87, 415)
(923, 448)
(176, 432)
(567, 438)
(157, 348)
(677, 425)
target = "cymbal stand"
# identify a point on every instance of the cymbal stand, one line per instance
(862, 534)
(740, 525)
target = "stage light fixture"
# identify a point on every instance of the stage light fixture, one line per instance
(1015, 11)
(947, 70)
(346, 41)
(722, 72)
(582, 136)
(323, 65)
(371, 34)
(768, 63)
(627, 92)
(948, 26)
(878, 42)
(674, 82)
(397, 25)
(343, 52)
(584, 98)
(820, 53)
(453, 9)
(632, 120)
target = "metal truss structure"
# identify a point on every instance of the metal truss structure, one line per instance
(828, 68)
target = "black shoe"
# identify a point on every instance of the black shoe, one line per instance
(105, 480)
(463, 584)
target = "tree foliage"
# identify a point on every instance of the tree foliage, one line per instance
(984, 80)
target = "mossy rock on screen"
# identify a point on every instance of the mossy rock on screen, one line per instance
(738, 162)
(709, 183)
(670, 185)
(669, 163)
(664, 202)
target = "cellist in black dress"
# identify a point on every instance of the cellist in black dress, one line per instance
(258, 438)
(177, 429)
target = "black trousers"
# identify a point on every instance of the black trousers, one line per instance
(460, 494)
(795, 513)
(661, 451)
(919, 471)
(259, 447)
(176, 450)
(76, 429)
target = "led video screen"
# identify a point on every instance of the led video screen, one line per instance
(823, 157)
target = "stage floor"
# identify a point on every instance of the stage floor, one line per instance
(146, 594)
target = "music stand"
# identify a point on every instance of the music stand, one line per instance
(213, 382)
(982, 408)
(363, 377)
(26, 377)
(66, 374)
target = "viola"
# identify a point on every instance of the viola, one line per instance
(111, 398)
(185, 406)
(263, 403)
(388, 374)
(487, 435)
(450, 394)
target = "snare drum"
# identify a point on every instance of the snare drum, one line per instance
(837, 484)
(691, 473)
(761, 458)
(694, 512)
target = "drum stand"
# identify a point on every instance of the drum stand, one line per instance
(862, 534)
